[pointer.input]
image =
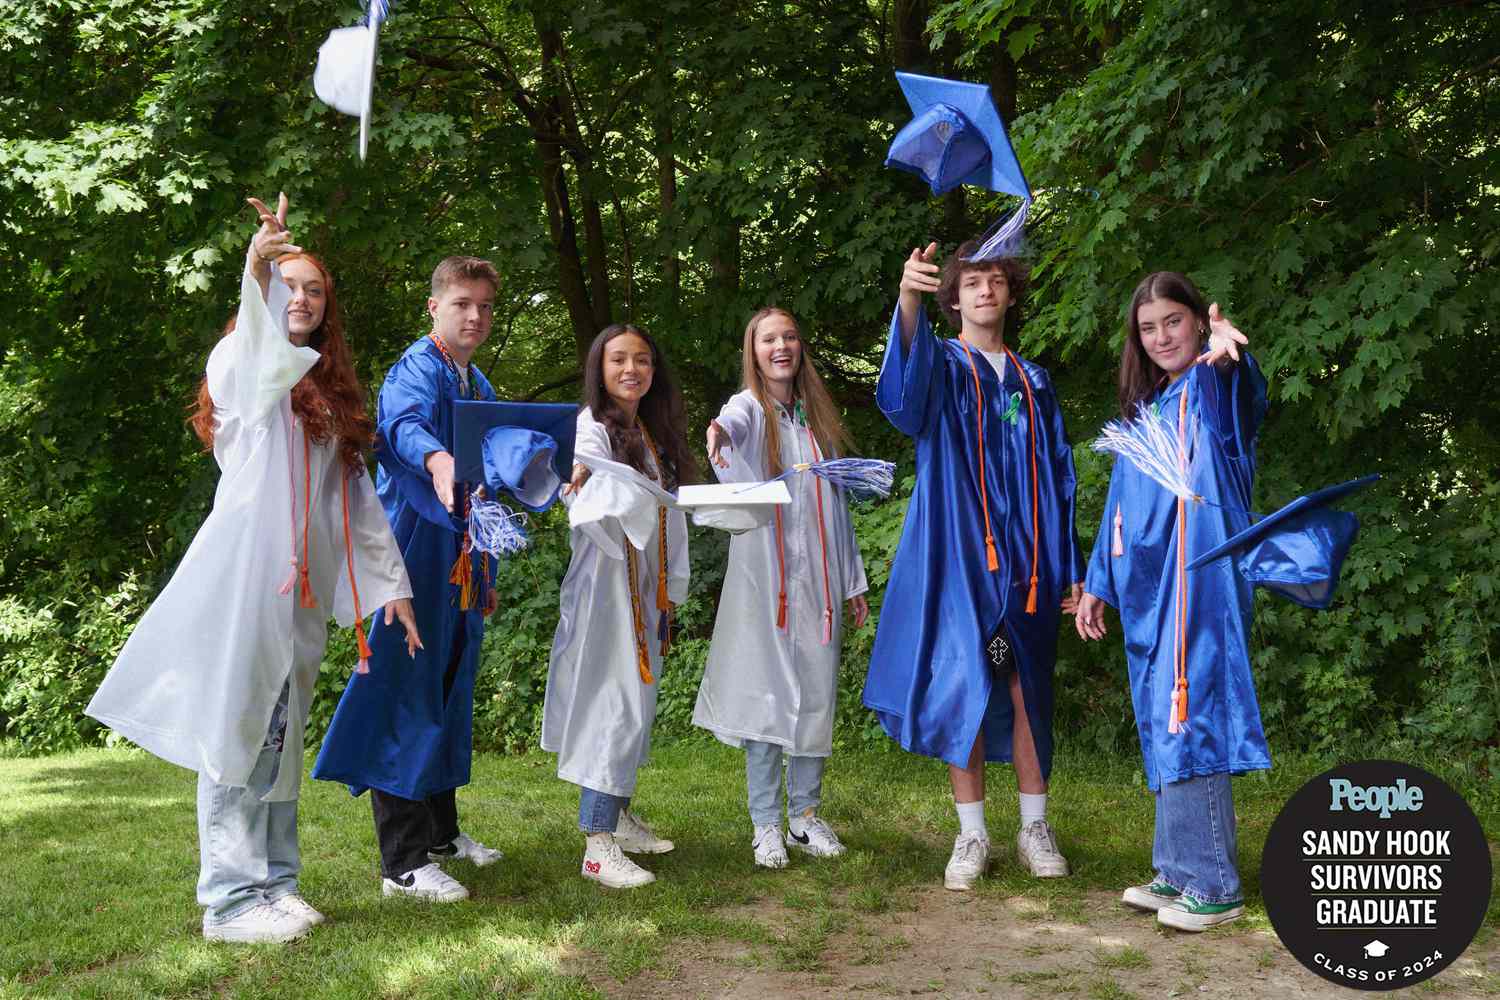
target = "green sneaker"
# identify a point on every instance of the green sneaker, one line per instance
(1187, 914)
(1149, 897)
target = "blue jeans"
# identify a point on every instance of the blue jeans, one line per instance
(1195, 849)
(804, 782)
(599, 812)
(247, 849)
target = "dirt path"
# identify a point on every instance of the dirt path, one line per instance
(952, 945)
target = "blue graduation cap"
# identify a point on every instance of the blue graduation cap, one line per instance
(957, 137)
(1296, 552)
(524, 449)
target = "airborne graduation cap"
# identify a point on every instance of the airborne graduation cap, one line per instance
(345, 75)
(1296, 552)
(957, 137)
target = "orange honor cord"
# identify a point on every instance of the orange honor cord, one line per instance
(462, 573)
(637, 616)
(291, 485)
(991, 558)
(359, 616)
(781, 572)
(822, 544)
(663, 599)
(305, 595)
(1035, 488)
(1178, 717)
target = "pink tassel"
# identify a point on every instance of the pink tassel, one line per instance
(291, 581)
(1119, 548)
(827, 626)
(1172, 726)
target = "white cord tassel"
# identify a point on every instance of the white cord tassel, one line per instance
(1005, 239)
(1119, 546)
(495, 528)
(1151, 446)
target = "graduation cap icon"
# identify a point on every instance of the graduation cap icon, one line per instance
(1297, 551)
(956, 136)
(524, 449)
(1376, 949)
(345, 76)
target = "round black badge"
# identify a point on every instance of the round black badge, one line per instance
(1376, 875)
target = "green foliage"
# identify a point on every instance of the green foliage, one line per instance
(1323, 170)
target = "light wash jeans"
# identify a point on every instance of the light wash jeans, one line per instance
(1195, 850)
(599, 812)
(804, 782)
(247, 848)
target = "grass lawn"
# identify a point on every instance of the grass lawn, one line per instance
(101, 853)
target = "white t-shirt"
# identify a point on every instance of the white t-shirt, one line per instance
(997, 361)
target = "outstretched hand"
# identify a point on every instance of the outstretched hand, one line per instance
(272, 239)
(1224, 339)
(401, 610)
(920, 274)
(717, 442)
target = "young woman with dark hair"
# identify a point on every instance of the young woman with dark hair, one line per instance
(629, 567)
(1186, 632)
(219, 674)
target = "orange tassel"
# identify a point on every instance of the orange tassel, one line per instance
(462, 575)
(1031, 597)
(1182, 701)
(643, 664)
(662, 601)
(781, 610)
(305, 595)
(364, 648)
(991, 558)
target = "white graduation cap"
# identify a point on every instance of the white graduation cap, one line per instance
(1376, 949)
(345, 76)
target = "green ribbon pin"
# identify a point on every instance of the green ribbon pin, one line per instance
(1013, 409)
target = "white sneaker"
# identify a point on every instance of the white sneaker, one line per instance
(809, 833)
(262, 923)
(293, 905)
(1037, 846)
(428, 882)
(467, 848)
(971, 856)
(604, 862)
(770, 849)
(634, 836)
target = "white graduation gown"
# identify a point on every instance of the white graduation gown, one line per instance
(598, 712)
(762, 682)
(200, 675)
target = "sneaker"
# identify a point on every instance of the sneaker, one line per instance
(262, 923)
(1149, 897)
(770, 849)
(811, 834)
(465, 847)
(635, 837)
(1187, 914)
(1037, 846)
(971, 856)
(428, 882)
(293, 905)
(605, 863)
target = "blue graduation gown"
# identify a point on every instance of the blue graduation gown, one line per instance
(1223, 730)
(393, 729)
(929, 680)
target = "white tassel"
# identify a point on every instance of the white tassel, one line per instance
(1119, 547)
(494, 528)
(1172, 726)
(1004, 239)
(1151, 446)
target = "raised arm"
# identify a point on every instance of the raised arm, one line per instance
(918, 277)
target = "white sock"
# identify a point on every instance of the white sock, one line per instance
(1033, 808)
(971, 818)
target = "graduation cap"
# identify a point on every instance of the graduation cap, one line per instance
(345, 75)
(524, 449)
(1297, 551)
(957, 137)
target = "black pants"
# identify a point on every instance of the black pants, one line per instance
(407, 829)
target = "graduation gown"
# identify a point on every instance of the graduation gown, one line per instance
(200, 675)
(598, 711)
(1224, 408)
(929, 680)
(394, 728)
(779, 685)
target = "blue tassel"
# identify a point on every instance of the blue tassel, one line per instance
(862, 477)
(1006, 237)
(495, 528)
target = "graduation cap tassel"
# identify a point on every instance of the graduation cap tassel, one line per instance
(1151, 446)
(862, 477)
(495, 529)
(1004, 238)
